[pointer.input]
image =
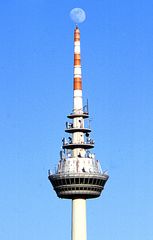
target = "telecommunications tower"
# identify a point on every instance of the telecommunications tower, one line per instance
(78, 175)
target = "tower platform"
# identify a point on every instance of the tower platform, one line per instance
(75, 115)
(82, 185)
(78, 145)
(72, 130)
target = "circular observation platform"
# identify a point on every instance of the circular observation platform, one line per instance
(75, 115)
(72, 130)
(83, 185)
(78, 145)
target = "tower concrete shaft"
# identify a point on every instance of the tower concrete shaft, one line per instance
(79, 231)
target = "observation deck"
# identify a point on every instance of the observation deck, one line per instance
(78, 145)
(75, 115)
(72, 130)
(78, 185)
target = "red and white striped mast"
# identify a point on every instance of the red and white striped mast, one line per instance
(77, 83)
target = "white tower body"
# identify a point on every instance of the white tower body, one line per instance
(78, 175)
(79, 219)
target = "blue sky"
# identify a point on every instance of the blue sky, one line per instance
(36, 73)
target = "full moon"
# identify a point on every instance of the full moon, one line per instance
(78, 15)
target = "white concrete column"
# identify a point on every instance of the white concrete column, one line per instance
(79, 219)
(77, 101)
